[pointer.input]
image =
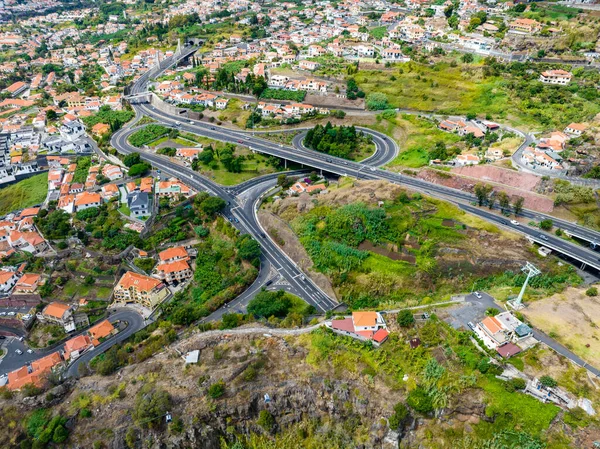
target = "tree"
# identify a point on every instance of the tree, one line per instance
(138, 169)
(266, 304)
(419, 401)
(405, 318)
(518, 205)
(132, 159)
(503, 201)
(282, 180)
(548, 381)
(546, 224)
(248, 249)
(400, 414)
(377, 101)
(211, 205)
(482, 192)
(467, 58)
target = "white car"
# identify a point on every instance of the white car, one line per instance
(30, 351)
(18, 351)
(477, 294)
(515, 222)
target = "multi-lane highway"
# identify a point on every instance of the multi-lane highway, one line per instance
(387, 149)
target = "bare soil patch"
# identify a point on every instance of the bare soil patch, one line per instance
(533, 201)
(519, 180)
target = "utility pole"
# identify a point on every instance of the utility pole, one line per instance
(531, 271)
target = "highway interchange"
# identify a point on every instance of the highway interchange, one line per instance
(244, 199)
(368, 169)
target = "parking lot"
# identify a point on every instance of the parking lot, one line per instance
(13, 360)
(471, 311)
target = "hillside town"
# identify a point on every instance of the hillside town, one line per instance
(365, 223)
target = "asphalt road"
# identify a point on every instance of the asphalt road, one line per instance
(13, 361)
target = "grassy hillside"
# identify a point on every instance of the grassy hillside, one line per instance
(410, 250)
(24, 193)
(511, 93)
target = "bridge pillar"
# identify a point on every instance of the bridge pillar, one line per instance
(285, 163)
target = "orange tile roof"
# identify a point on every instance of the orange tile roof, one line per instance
(172, 253)
(76, 344)
(492, 324)
(101, 330)
(85, 198)
(56, 309)
(173, 267)
(6, 276)
(28, 280)
(46, 363)
(139, 281)
(364, 319)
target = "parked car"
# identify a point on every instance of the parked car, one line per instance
(30, 351)
(18, 351)
(478, 295)
(471, 325)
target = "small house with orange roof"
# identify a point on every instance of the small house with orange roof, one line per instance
(8, 279)
(85, 200)
(173, 254)
(28, 283)
(146, 185)
(365, 326)
(57, 313)
(104, 329)
(77, 346)
(110, 191)
(171, 272)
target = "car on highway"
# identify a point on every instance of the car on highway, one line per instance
(543, 237)
(515, 222)
(345, 163)
(177, 123)
(504, 222)
(240, 141)
(192, 122)
(269, 282)
(328, 160)
(373, 168)
(18, 351)
(213, 128)
(477, 295)
(262, 234)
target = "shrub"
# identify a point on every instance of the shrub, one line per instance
(151, 403)
(419, 401)
(405, 318)
(548, 381)
(217, 389)
(546, 225)
(266, 420)
(592, 291)
(400, 414)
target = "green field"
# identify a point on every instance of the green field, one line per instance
(448, 88)
(23, 194)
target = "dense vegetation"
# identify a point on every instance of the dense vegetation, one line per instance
(280, 94)
(396, 253)
(115, 119)
(147, 134)
(340, 141)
